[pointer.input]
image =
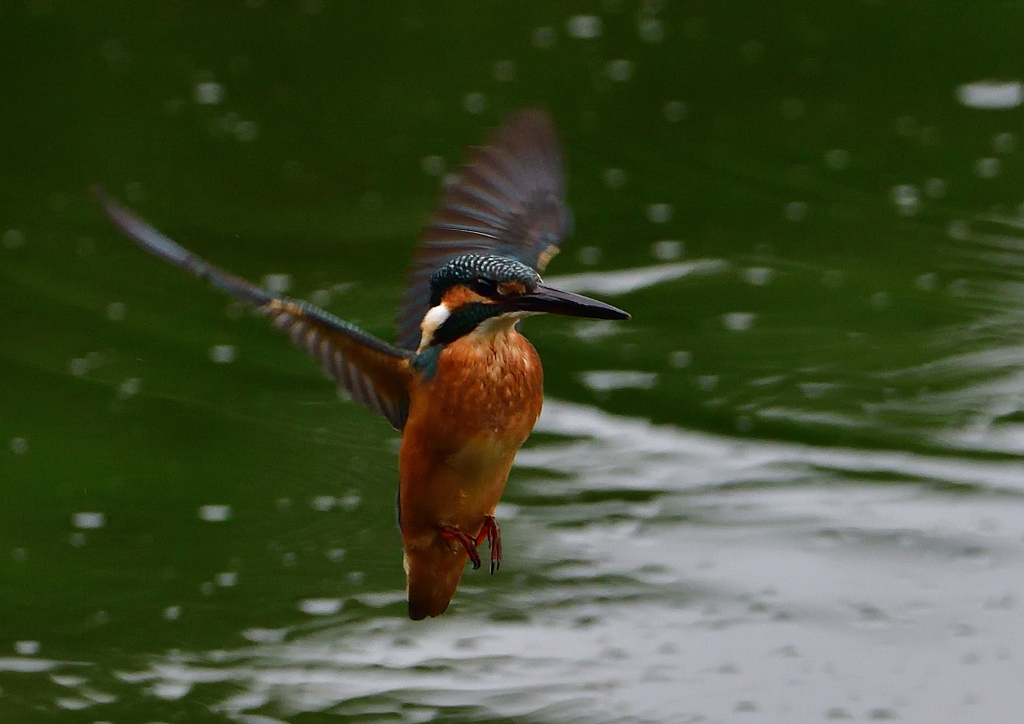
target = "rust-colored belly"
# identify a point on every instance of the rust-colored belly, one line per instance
(464, 428)
(465, 425)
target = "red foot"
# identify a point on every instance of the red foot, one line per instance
(492, 534)
(454, 535)
(488, 532)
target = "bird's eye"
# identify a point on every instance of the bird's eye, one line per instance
(485, 287)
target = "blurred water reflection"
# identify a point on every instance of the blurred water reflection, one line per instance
(844, 589)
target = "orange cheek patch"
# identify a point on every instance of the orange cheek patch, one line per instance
(459, 296)
(507, 289)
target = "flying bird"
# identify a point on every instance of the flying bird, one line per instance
(462, 384)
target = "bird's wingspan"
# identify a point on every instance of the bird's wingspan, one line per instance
(373, 372)
(508, 199)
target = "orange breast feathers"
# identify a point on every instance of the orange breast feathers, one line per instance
(465, 425)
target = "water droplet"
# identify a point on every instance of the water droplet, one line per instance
(589, 255)
(837, 159)
(667, 249)
(505, 71)
(116, 311)
(474, 102)
(351, 500)
(215, 513)
(277, 283)
(87, 520)
(935, 188)
(796, 210)
(320, 297)
(19, 445)
(674, 111)
(651, 30)
(880, 301)
(172, 613)
(320, 606)
(680, 359)
(707, 382)
(584, 27)
(758, 276)
(113, 52)
(78, 366)
(226, 579)
(614, 178)
(355, 578)
(926, 282)
(323, 502)
(265, 635)
(987, 167)
(605, 380)
(77, 539)
(209, 93)
(738, 321)
(337, 555)
(222, 353)
(543, 37)
(246, 131)
(129, 388)
(26, 648)
(907, 199)
(959, 229)
(659, 213)
(620, 69)
(433, 165)
(14, 239)
(990, 94)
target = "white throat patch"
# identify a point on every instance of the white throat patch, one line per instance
(431, 321)
(500, 324)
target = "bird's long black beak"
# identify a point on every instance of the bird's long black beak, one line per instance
(555, 301)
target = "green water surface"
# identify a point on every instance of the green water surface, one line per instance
(790, 489)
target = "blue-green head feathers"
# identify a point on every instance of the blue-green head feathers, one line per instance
(483, 273)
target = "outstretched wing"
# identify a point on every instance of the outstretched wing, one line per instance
(374, 372)
(508, 199)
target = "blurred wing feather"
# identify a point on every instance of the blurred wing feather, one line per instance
(372, 371)
(508, 199)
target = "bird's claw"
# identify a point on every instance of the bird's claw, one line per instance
(454, 535)
(489, 532)
(492, 534)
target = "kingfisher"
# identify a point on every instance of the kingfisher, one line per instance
(462, 384)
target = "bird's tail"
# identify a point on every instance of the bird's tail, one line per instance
(432, 575)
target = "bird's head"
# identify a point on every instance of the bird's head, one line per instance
(475, 291)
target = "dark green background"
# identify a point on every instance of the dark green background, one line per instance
(878, 334)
